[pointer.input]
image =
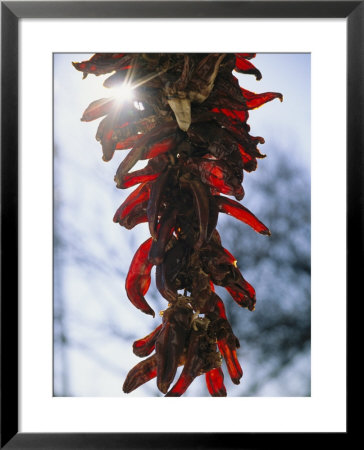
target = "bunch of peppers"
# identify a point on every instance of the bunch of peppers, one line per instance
(188, 118)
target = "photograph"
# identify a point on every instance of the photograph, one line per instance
(181, 224)
(181, 206)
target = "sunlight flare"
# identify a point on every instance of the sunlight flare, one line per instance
(123, 93)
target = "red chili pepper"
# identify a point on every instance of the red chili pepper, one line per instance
(161, 147)
(102, 63)
(218, 175)
(98, 108)
(139, 176)
(144, 346)
(128, 142)
(224, 145)
(166, 227)
(135, 217)
(193, 366)
(229, 354)
(169, 272)
(243, 294)
(215, 383)
(221, 266)
(201, 200)
(234, 114)
(220, 309)
(170, 344)
(141, 373)
(244, 66)
(241, 291)
(156, 196)
(138, 279)
(104, 134)
(181, 386)
(152, 171)
(164, 286)
(235, 209)
(137, 197)
(117, 131)
(140, 150)
(256, 100)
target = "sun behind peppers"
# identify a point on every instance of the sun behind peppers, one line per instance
(188, 118)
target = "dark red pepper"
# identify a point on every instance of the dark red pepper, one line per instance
(138, 279)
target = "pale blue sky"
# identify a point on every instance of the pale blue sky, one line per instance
(96, 253)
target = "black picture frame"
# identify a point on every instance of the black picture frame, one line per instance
(11, 12)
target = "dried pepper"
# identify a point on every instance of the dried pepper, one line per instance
(188, 118)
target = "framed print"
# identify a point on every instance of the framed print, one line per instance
(67, 327)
